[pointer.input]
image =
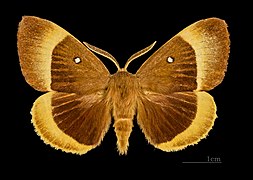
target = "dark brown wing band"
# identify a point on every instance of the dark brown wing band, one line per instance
(70, 122)
(53, 59)
(175, 121)
(194, 59)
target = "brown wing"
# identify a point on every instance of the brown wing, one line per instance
(173, 112)
(172, 122)
(74, 116)
(71, 122)
(52, 59)
(196, 58)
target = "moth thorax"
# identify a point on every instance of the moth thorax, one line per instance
(123, 129)
(123, 83)
(123, 95)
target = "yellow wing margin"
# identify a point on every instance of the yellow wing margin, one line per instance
(47, 129)
(199, 128)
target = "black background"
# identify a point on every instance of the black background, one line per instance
(122, 30)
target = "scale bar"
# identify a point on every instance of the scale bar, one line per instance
(201, 162)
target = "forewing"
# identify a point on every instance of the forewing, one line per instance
(53, 59)
(194, 59)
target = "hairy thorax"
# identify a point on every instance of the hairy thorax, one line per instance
(123, 90)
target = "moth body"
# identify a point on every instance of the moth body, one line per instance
(122, 92)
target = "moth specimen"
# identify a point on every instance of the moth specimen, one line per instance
(167, 94)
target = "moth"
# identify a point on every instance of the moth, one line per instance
(167, 96)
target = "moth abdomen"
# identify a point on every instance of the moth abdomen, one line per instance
(123, 129)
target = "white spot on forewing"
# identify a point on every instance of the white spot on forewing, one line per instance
(170, 60)
(77, 60)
